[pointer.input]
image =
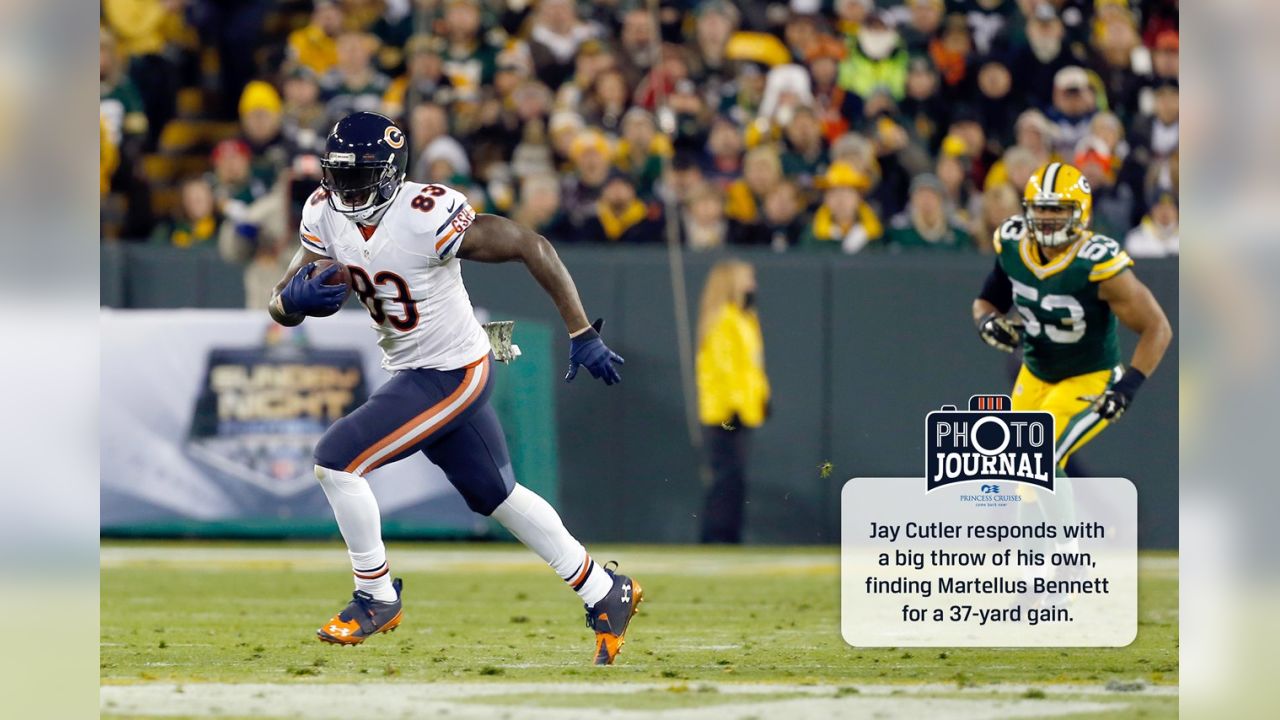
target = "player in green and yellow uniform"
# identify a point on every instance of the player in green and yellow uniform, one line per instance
(1068, 286)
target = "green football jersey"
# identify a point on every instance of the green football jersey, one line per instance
(1067, 329)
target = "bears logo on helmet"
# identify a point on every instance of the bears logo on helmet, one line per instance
(363, 165)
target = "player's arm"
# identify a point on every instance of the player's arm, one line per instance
(1138, 309)
(296, 295)
(989, 310)
(495, 239)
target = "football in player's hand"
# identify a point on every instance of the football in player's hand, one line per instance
(341, 276)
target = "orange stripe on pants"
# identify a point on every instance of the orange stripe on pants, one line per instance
(481, 366)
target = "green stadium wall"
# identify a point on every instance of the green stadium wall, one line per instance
(858, 349)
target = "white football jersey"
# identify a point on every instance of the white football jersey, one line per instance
(406, 274)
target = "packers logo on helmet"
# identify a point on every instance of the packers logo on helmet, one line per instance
(1058, 204)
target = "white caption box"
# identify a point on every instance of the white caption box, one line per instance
(948, 578)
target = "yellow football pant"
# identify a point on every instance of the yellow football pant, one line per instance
(1074, 422)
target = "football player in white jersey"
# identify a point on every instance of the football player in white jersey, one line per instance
(403, 244)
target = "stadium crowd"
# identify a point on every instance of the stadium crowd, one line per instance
(815, 125)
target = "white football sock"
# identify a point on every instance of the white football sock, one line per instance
(536, 524)
(361, 524)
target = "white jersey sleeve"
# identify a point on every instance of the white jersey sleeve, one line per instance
(441, 220)
(311, 231)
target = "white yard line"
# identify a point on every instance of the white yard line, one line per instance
(724, 700)
(510, 558)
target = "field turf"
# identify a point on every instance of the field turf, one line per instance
(185, 615)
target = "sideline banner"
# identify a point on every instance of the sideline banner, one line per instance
(209, 418)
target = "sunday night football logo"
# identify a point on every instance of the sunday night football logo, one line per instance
(989, 443)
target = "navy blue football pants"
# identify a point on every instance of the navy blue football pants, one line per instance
(444, 414)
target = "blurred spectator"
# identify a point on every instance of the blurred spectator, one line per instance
(922, 109)
(703, 225)
(470, 61)
(992, 22)
(636, 51)
(607, 101)
(427, 123)
(952, 169)
(261, 112)
(1034, 138)
(120, 110)
(999, 203)
(950, 53)
(783, 221)
(724, 151)
(424, 77)
(843, 222)
(786, 89)
(1158, 132)
(897, 159)
(253, 225)
(715, 23)
(145, 30)
(733, 392)
(539, 207)
(995, 106)
(234, 28)
(108, 157)
(315, 46)
(195, 221)
(533, 154)
(850, 14)
(589, 154)
(1157, 234)
(1164, 66)
(119, 103)
(1113, 204)
(1118, 54)
(557, 32)
(761, 173)
(592, 60)
(1074, 103)
(834, 105)
(924, 21)
(877, 60)
(804, 150)
(304, 121)
(692, 117)
(1013, 169)
(800, 32)
(640, 150)
(353, 85)
(685, 178)
(925, 224)
(621, 217)
(1045, 52)
(564, 127)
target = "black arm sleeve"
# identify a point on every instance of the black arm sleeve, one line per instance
(997, 289)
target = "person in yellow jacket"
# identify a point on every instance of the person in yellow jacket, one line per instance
(733, 392)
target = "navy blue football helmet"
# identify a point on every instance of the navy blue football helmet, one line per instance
(364, 164)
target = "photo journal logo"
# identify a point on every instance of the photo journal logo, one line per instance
(991, 444)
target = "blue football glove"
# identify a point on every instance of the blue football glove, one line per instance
(309, 295)
(588, 350)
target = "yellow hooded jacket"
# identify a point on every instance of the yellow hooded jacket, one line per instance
(730, 368)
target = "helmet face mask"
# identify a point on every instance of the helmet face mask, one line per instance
(363, 165)
(1053, 223)
(1057, 205)
(358, 191)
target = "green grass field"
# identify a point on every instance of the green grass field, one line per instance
(491, 629)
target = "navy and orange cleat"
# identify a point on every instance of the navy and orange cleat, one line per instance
(362, 618)
(611, 616)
